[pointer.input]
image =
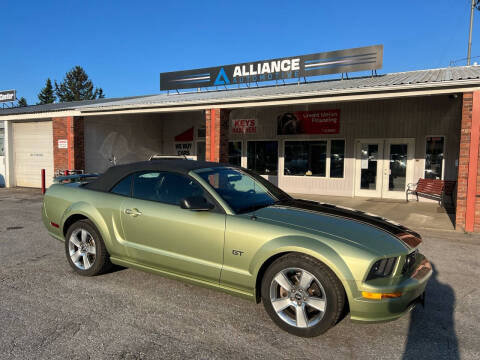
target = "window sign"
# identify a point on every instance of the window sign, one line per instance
(309, 122)
(262, 157)
(244, 126)
(183, 148)
(434, 157)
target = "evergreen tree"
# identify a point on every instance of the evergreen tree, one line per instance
(46, 95)
(22, 102)
(77, 86)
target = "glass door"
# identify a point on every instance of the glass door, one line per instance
(369, 156)
(398, 167)
(384, 167)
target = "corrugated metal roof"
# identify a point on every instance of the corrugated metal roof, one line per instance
(467, 75)
(72, 105)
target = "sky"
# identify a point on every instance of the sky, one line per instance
(124, 45)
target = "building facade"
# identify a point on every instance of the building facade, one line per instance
(369, 136)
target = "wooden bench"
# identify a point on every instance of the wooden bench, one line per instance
(432, 189)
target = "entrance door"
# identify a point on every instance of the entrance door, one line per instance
(369, 168)
(398, 167)
(384, 167)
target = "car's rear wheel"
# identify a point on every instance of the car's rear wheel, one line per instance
(85, 249)
(302, 295)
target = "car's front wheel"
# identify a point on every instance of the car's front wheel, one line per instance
(302, 295)
(85, 249)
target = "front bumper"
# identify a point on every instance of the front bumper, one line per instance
(412, 289)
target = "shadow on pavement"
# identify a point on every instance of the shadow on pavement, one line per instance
(431, 334)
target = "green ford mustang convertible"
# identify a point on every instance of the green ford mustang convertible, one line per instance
(226, 228)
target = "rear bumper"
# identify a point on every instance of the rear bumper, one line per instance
(413, 288)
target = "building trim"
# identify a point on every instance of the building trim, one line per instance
(354, 94)
(41, 116)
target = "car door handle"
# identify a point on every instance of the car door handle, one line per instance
(133, 212)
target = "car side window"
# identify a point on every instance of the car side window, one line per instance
(123, 187)
(165, 187)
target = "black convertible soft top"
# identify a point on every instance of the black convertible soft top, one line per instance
(116, 173)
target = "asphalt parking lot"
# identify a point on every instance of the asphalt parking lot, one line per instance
(48, 312)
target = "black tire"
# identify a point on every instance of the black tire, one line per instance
(332, 290)
(101, 263)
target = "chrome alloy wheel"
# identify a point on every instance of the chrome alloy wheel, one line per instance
(81, 247)
(298, 297)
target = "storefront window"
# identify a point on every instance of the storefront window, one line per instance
(337, 156)
(2, 141)
(305, 158)
(201, 131)
(201, 150)
(235, 153)
(434, 157)
(262, 157)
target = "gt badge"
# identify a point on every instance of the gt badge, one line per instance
(237, 252)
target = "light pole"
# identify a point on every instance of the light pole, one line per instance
(475, 4)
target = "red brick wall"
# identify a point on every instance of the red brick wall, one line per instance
(468, 185)
(216, 140)
(71, 129)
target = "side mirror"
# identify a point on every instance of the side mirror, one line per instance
(198, 203)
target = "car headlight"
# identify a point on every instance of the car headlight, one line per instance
(382, 268)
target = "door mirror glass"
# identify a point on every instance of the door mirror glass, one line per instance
(198, 203)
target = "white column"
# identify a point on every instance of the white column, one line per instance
(9, 160)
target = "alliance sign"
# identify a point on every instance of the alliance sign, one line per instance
(8, 96)
(295, 67)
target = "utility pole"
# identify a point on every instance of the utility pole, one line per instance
(475, 3)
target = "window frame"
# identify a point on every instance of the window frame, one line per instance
(327, 162)
(444, 154)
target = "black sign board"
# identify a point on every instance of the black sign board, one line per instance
(332, 62)
(7, 96)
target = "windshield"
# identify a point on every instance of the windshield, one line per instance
(242, 191)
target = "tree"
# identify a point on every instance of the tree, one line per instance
(22, 102)
(77, 86)
(46, 95)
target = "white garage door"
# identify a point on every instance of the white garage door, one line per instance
(33, 149)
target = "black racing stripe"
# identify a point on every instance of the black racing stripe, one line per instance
(356, 215)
